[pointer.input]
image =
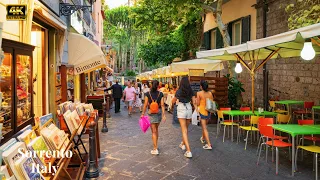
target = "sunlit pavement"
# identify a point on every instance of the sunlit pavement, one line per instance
(126, 155)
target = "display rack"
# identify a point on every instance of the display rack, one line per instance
(64, 170)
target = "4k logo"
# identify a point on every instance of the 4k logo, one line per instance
(16, 12)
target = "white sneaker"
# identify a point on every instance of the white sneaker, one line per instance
(188, 154)
(202, 140)
(155, 152)
(207, 147)
(182, 146)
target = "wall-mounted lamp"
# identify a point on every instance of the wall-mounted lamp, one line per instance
(307, 52)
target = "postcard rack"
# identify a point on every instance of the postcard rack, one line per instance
(94, 116)
(64, 170)
(78, 141)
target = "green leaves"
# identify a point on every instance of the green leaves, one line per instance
(235, 89)
(303, 13)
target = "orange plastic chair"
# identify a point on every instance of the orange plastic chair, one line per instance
(307, 109)
(265, 122)
(267, 131)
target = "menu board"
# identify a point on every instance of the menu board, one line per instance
(195, 86)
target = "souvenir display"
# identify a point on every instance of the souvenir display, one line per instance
(16, 67)
(44, 119)
(27, 136)
(11, 156)
(37, 145)
(25, 166)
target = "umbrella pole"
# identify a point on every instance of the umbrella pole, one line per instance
(252, 91)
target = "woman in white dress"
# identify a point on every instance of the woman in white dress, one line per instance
(138, 102)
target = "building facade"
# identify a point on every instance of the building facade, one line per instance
(288, 78)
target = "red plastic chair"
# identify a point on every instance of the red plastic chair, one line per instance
(307, 109)
(310, 138)
(244, 117)
(266, 122)
(267, 131)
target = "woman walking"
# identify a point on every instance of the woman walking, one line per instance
(184, 112)
(155, 103)
(137, 102)
(202, 96)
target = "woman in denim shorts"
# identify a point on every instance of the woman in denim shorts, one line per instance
(202, 96)
(184, 95)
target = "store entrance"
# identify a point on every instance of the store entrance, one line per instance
(40, 69)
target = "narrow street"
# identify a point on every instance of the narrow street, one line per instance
(126, 155)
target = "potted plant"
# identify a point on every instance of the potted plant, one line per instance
(235, 89)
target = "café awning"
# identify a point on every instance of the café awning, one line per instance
(284, 45)
(84, 54)
(207, 65)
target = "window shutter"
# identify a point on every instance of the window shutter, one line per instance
(207, 39)
(246, 28)
(229, 28)
(219, 39)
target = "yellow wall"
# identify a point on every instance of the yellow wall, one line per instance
(11, 29)
(233, 10)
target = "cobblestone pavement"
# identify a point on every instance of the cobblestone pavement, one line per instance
(127, 155)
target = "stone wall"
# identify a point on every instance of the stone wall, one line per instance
(289, 78)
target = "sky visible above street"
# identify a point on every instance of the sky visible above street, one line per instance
(116, 3)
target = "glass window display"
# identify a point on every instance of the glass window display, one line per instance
(6, 93)
(23, 88)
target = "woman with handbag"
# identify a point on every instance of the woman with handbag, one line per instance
(205, 103)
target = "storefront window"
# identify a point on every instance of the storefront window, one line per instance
(6, 93)
(23, 74)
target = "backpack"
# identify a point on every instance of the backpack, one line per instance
(154, 106)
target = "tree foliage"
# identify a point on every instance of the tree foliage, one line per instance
(303, 13)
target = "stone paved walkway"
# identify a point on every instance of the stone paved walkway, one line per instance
(127, 155)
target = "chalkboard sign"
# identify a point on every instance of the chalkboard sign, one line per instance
(195, 86)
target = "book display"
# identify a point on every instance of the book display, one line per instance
(43, 152)
(16, 94)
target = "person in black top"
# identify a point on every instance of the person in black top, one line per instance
(140, 87)
(184, 95)
(155, 119)
(116, 94)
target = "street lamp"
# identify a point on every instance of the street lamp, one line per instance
(238, 68)
(308, 52)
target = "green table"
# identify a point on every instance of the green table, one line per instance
(294, 130)
(233, 113)
(314, 108)
(288, 103)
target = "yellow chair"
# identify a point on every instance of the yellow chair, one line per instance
(273, 108)
(224, 123)
(283, 118)
(254, 120)
(314, 149)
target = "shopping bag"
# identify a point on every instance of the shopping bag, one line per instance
(210, 105)
(195, 118)
(144, 123)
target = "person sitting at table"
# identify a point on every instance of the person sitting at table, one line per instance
(162, 89)
(174, 89)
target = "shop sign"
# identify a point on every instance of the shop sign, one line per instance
(85, 67)
(16, 12)
(76, 23)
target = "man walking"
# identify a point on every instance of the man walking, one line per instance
(116, 94)
(130, 94)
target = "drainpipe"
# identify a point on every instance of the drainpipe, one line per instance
(265, 71)
(1, 52)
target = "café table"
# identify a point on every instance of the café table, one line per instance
(295, 130)
(233, 113)
(288, 103)
(313, 109)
